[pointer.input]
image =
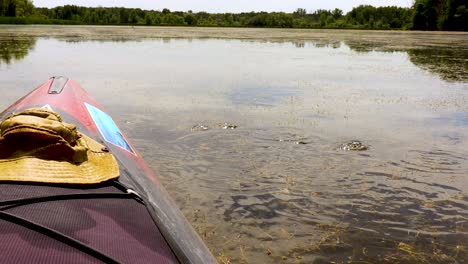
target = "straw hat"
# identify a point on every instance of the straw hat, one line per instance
(37, 146)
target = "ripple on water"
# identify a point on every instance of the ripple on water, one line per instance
(374, 211)
(273, 198)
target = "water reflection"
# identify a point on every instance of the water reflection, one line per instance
(449, 63)
(317, 44)
(15, 48)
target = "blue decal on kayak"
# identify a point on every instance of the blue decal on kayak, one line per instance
(108, 128)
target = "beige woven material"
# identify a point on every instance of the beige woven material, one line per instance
(37, 146)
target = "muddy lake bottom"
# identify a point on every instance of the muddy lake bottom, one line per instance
(277, 186)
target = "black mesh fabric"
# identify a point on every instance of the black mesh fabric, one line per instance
(119, 228)
(20, 245)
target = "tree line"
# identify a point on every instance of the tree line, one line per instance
(16, 8)
(423, 15)
(440, 15)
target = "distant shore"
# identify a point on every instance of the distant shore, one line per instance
(422, 15)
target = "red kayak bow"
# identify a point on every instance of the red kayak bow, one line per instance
(129, 220)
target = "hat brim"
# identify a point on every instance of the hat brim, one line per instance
(101, 166)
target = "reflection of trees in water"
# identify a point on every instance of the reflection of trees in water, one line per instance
(299, 44)
(15, 48)
(316, 44)
(451, 64)
(73, 40)
(365, 47)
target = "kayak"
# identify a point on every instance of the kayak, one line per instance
(60, 213)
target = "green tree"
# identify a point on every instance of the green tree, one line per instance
(190, 19)
(114, 19)
(133, 17)
(157, 18)
(440, 14)
(166, 11)
(337, 13)
(258, 20)
(456, 17)
(420, 18)
(300, 12)
(148, 19)
(10, 8)
(228, 19)
(395, 23)
(323, 19)
(124, 15)
(172, 19)
(23, 8)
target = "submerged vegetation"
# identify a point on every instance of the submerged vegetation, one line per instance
(423, 15)
(349, 245)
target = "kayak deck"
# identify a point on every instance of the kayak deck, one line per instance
(50, 223)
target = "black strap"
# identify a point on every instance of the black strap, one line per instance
(56, 235)
(40, 199)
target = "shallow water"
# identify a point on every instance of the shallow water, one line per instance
(278, 188)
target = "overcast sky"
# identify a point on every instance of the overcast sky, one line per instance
(232, 6)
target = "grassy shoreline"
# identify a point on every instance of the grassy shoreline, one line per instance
(35, 21)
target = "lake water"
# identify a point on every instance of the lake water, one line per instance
(278, 188)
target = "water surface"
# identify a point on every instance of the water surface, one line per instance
(278, 188)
